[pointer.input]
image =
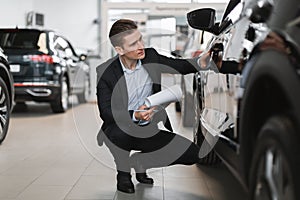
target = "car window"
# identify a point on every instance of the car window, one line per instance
(232, 14)
(230, 6)
(42, 43)
(63, 47)
(197, 41)
(59, 46)
(19, 39)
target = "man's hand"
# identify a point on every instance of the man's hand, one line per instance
(204, 59)
(144, 113)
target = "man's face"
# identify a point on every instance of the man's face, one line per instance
(133, 46)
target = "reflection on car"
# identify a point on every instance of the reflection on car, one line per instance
(247, 107)
(192, 49)
(45, 67)
(6, 95)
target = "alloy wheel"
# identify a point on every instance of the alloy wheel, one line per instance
(4, 111)
(273, 177)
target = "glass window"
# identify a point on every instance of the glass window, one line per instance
(63, 48)
(234, 15)
(60, 43)
(42, 43)
(12, 38)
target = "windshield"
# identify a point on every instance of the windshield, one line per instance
(18, 39)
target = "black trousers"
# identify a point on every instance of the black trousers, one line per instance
(155, 147)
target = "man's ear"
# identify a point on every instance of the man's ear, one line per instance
(119, 50)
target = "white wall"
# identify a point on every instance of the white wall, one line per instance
(72, 18)
(13, 12)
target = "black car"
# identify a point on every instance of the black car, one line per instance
(6, 95)
(247, 106)
(45, 67)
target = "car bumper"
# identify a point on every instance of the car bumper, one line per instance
(39, 92)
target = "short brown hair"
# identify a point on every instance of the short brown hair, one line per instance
(119, 29)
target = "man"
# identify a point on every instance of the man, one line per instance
(128, 125)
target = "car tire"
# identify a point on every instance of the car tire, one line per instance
(207, 155)
(274, 173)
(82, 97)
(4, 110)
(61, 104)
(210, 157)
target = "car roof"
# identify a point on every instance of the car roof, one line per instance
(25, 30)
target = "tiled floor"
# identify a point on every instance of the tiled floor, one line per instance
(50, 156)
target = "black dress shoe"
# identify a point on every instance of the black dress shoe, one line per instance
(126, 187)
(143, 178)
(124, 183)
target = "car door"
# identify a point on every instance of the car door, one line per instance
(220, 86)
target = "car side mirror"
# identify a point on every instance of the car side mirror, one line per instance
(261, 11)
(202, 19)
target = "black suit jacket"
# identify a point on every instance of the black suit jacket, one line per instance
(112, 96)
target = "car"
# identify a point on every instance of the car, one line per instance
(6, 95)
(247, 111)
(192, 49)
(45, 67)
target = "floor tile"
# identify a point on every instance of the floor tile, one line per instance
(219, 179)
(93, 187)
(37, 192)
(142, 191)
(12, 186)
(186, 188)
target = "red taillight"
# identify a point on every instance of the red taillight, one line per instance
(41, 58)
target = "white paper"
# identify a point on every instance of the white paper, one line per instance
(171, 94)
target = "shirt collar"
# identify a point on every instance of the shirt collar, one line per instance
(138, 66)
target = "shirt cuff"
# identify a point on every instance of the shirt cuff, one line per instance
(133, 118)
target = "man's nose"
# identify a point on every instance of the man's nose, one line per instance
(141, 44)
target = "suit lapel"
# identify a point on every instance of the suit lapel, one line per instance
(154, 73)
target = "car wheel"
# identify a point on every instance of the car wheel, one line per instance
(274, 168)
(4, 110)
(61, 104)
(82, 98)
(207, 155)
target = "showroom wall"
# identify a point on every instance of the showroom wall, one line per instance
(72, 18)
(75, 19)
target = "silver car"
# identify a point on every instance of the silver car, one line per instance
(247, 111)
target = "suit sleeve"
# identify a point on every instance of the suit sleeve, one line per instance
(105, 88)
(104, 93)
(176, 65)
